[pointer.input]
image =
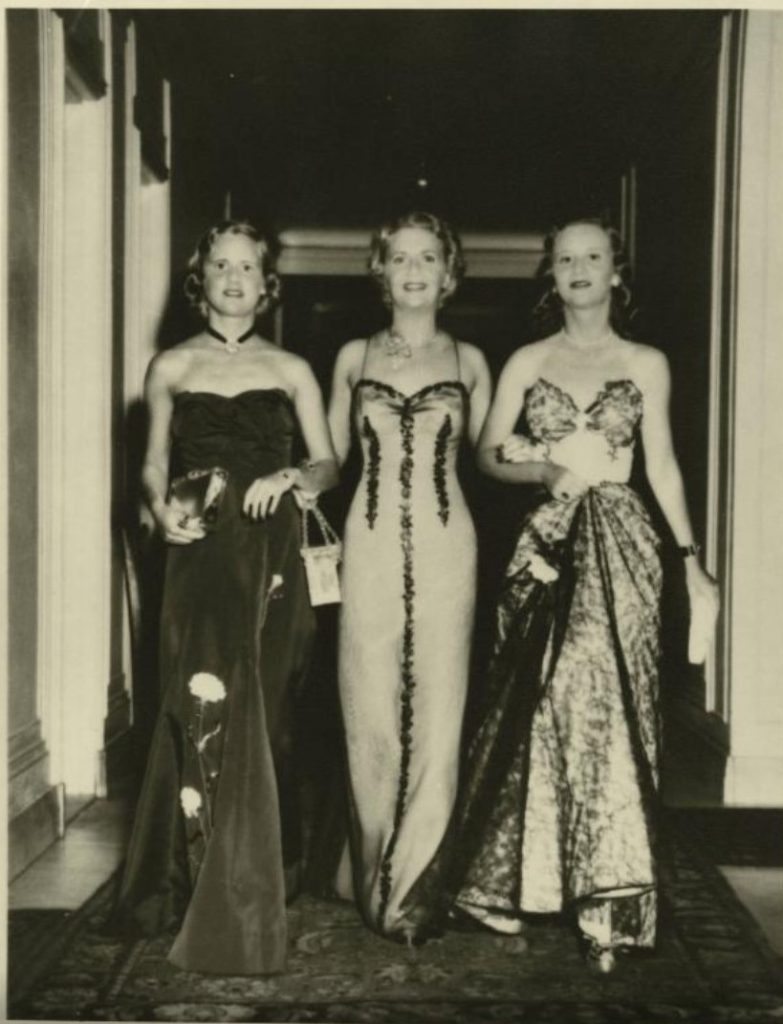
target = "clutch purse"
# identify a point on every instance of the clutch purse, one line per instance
(200, 493)
(321, 561)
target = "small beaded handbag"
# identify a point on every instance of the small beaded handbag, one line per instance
(321, 561)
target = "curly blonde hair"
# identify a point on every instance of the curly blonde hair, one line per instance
(194, 281)
(448, 238)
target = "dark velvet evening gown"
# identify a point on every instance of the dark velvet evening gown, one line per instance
(557, 809)
(215, 833)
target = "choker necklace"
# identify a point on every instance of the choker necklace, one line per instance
(232, 347)
(397, 349)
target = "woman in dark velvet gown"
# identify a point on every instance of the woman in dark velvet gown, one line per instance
(559, 798)
(215, 838)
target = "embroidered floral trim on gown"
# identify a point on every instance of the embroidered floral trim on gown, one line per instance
(405, 627)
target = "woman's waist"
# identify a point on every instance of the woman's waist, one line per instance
(590, 459)
(617, 499)
(417, 486)
(382, 507)
(237, 465)
(389, 470)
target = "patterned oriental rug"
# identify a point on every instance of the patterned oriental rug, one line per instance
(713, 965)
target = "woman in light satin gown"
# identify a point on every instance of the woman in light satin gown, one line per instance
(411, 394)
(559, 799)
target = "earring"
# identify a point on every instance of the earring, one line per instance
(446, 291)
(624, 294)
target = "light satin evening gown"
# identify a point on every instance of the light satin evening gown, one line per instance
(409, 577)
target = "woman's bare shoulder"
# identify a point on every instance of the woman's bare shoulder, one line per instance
(353, 350)
(291, 367)
(527, 359)
(647, 361)
(471, 355)
(350, 357)
(170, 365)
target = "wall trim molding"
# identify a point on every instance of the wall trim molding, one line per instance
(23, 745)
(34, 829)
(754, 772)
(341, 251)
(28, 776)
(723, 352)
(74, 417)
(51, 443)
(4, 467)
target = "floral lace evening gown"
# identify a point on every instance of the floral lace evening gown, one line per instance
(214, 831)
(559, 795)
(409, 593)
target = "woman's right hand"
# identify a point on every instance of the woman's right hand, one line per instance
(176, 526)
(563, 484)
(518, 448)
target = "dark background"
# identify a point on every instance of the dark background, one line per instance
(499, 121)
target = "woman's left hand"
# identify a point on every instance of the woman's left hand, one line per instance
(702, 588)
(263, 496)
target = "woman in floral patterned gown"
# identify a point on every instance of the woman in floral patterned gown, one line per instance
(214, 841)
(559, 800)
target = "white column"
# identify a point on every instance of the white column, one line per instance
(148, 238)
(51, 435)
(147, 266)
(3, 416)
(87, 330)
(75, 424)
(755, 767)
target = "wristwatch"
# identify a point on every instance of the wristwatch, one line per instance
(686, 550)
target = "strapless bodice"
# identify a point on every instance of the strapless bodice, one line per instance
(434, 415)
(615, 413)
(250, 434)
(418, 400)
(410, 442)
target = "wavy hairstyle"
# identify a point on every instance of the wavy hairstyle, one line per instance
(548, 311)
(194, 282)
(449, 239)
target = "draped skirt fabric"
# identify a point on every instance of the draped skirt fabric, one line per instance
(215, 826)
(558, 800)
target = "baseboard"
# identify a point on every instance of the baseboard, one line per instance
(734, 836)
(707, 725)
(694, 757)
(33, 830)
(118, 766)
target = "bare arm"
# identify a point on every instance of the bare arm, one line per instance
(663, 470)
(320, 473)
(159, 395)
(481, 391)
(341, 398)
(518, 375)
